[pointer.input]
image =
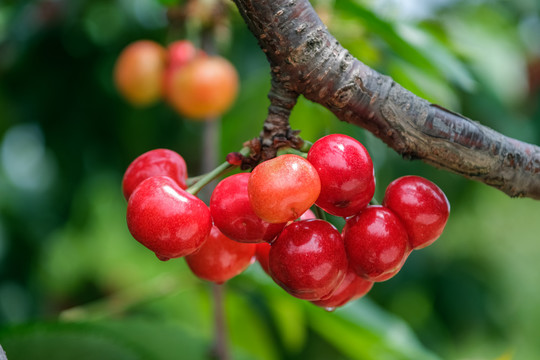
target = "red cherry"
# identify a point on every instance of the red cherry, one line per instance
(308, 259)
(376, 243)
(158, 162)
(233, 215)
(166, 219)
(179, 54)
(346, 172)
(261, 253)
(352, 287)
(283, 188)
(220, 258)
(393, 273)
(422, 207)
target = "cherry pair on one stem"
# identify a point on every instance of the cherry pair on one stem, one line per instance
(161, 214)
(173, 223)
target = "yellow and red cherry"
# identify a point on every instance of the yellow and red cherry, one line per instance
(233, 214)
(204, 88)
(179, 54)
(283, 188)
(138, 72)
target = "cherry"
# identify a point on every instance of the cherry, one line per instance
(138, 72)
(308, 259)
(233, 214)
(261, 253)
(154, 163)
(220, 258)
(346, 172)
(393, 273)
(307, 215)
(180, 53)
(283, 188)
(376, 243)
(422, 207)
(263, 249)
(204, 88)
(166, 219)
(351, 288)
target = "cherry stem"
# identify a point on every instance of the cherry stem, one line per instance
(193, 180)
(289, 150)
(306, 146)
(199, 182)
(320, 213)
(220, 348)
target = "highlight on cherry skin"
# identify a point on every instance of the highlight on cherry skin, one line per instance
(283, 188)
(232, 212)
(422, 207)
(154, 163)
(308, 259)
(346, 173)
(220, 258)
(166, 219)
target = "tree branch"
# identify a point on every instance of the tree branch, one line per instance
(306, 59)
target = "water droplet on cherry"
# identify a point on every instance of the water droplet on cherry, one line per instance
(163, 258)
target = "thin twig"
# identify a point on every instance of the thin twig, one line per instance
(220, 349)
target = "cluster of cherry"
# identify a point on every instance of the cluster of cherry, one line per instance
(196, 85)
(266, 214)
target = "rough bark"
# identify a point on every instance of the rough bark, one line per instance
(306, 59)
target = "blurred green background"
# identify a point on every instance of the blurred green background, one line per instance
(74, 284)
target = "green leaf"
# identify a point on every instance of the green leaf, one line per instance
(66, 342)
(386, 30)
(431, 88)
(364, 331)
(131, 339)
(439, 55)
(290, 321)
(248, 332)
(161, 340)
(170, 2)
